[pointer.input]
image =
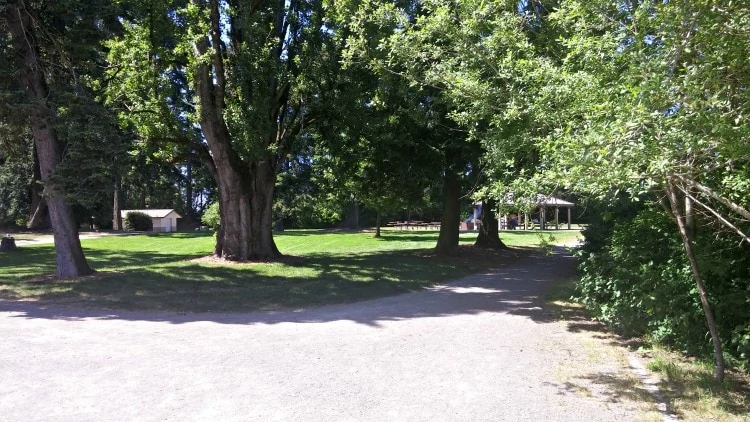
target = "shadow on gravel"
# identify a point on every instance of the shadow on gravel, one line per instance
(516, 289)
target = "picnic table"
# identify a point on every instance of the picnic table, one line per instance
(414, 225)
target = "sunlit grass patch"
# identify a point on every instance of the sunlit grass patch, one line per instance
(168, 271)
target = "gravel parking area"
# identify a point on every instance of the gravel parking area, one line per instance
(480, 349)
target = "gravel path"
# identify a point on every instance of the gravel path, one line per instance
(479, 349)
(23, 239)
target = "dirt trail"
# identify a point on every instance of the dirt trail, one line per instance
(480, 349)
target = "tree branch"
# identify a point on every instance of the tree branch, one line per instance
(713, 194)
(718, 216)
(218, 60)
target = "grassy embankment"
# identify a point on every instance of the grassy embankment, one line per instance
(158, 271)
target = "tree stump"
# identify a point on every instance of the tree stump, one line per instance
(8, 244)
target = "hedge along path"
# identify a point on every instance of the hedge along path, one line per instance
(482, 348)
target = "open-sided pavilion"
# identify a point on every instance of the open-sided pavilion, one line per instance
(543, 204)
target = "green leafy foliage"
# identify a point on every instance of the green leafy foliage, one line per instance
(15, 184)
(636, 278)
(212, 217)
(138, 221)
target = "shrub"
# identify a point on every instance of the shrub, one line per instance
(636, 278)
(138, 221)
(211, 216)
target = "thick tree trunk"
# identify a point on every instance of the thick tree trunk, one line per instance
(262, 244)
(38, 216)
(674, 201)
(488, 231)
(246, 231)
(447, 242)
(245, 186)
(70, 259)
(245, 192)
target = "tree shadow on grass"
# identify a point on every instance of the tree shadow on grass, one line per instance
(25, 262)
(514, 286)
(696, 386)
(109, 259)
(692, 385)
(39, 261)
(612, 387)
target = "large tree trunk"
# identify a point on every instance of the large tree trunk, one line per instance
(447, 242)
(70, 259)
(262, 244)
(680, 218)
(246, 231)
(38, 216)
(245, 185)
(488, 231)
(245, 192)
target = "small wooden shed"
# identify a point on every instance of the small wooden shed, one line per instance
(164, 220)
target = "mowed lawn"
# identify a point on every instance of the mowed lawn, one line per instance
(159, 271)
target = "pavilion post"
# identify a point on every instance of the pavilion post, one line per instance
(557, 218)
(568, 218)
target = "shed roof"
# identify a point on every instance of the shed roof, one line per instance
(159, 213)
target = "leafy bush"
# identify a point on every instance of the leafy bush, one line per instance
(15, 182)
(636, 278)
(211, 216)
(138, 221)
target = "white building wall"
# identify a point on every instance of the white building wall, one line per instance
(167, 224)
(159, 224)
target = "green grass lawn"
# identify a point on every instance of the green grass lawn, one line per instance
(156, 271)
